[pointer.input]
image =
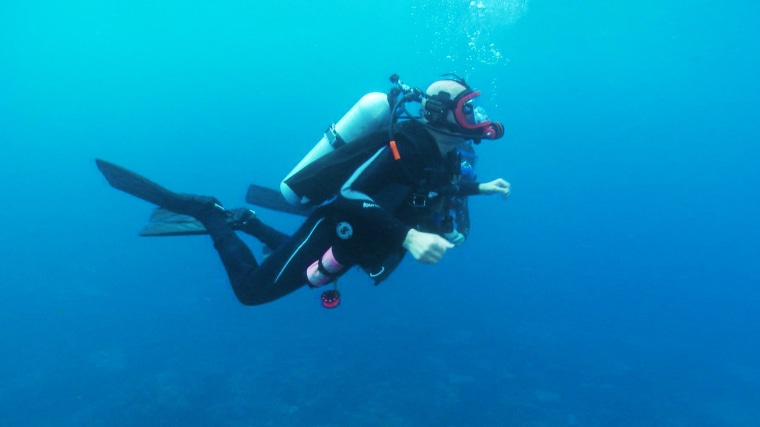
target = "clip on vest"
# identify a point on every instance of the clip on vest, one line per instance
(394, 150)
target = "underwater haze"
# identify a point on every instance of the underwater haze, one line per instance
(616, 286)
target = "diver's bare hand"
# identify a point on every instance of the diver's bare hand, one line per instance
(497, 186)
(426, 248)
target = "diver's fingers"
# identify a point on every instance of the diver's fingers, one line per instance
(437, 250)
(427, 248)
(504, 187)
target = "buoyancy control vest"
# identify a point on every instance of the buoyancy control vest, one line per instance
(347, 144)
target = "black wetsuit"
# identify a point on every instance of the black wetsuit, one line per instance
(365, 224)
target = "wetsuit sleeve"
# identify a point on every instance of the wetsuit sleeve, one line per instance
(376, 190)
(469, 188)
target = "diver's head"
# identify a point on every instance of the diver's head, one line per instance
(450, 107)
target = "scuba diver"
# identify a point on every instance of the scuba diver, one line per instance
(383, 181)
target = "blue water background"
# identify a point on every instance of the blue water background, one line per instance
(616, 287)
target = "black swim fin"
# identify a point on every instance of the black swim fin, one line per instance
(143, 188)
(134, 184)
(272, 199)
(164, 222)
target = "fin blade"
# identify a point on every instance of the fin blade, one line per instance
(165, 215)
(160, 229)
(164, 222)
(134, 184)
(272, 199)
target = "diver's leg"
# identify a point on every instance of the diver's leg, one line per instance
(236, 256)
(284, 270)
(246, 220)
(267, 235)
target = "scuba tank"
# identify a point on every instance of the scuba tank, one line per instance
(370, 114)
(316, 178)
